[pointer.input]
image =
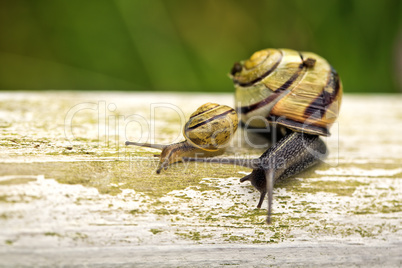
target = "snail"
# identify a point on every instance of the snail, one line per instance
(207, 132)
(298, 92)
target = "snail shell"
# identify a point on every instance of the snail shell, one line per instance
(211, 126)
(298, 90)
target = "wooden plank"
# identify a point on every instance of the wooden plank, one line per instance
(67, 180)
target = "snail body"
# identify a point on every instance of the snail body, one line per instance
(297, 91)
(207, 132)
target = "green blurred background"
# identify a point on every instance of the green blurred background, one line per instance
(182, 45)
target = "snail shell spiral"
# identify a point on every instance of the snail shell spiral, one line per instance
(211, 126)
(298, 90)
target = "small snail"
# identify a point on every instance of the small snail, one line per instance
(299, 92)
(207, 132)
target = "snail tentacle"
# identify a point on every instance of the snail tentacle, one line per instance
(269, 178)
(148, 145)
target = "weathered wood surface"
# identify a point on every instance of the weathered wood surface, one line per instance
(72, 193)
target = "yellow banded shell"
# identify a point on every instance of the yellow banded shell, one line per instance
(299, 90)
(211, 126)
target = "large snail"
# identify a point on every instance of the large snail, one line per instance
(297, 91)
(207, 132)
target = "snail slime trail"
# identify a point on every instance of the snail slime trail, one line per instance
(298, 91)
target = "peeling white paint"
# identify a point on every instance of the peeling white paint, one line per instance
(37, 212)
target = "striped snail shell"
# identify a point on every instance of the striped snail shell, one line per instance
(211, 126)
(207, 132)
(298, 90)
